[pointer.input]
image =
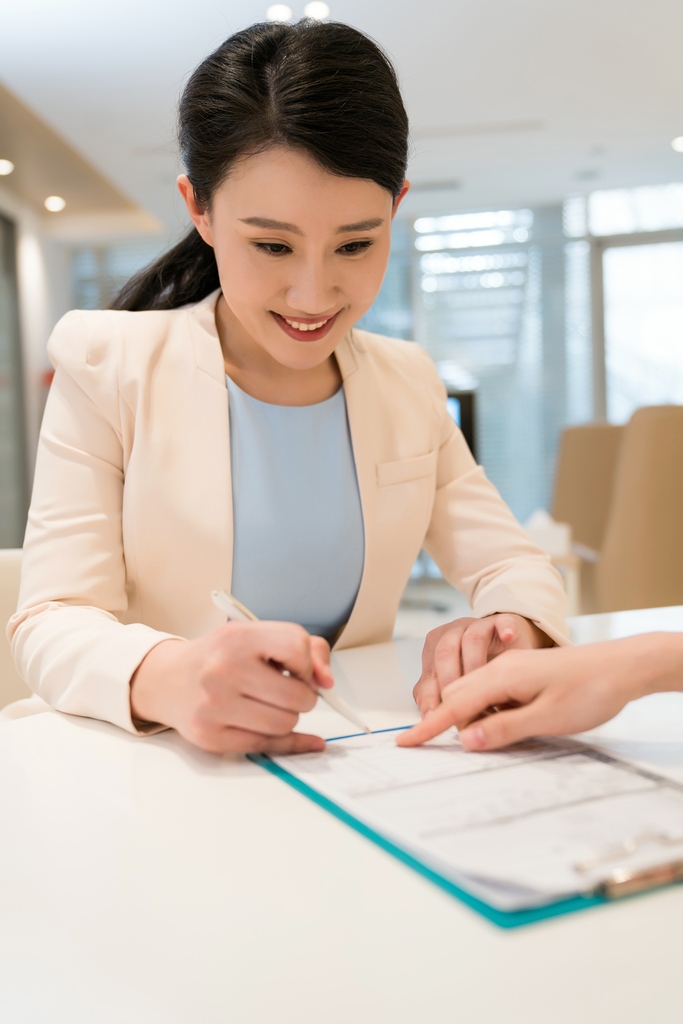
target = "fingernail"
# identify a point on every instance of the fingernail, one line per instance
(508, 634)
(473, 738)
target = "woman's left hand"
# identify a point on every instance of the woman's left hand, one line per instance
(453, 650)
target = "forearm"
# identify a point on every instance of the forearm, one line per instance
(80, 659)
(483, 551)
(155, 683)
(657, 663)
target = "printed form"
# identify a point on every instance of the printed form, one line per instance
(541, 821)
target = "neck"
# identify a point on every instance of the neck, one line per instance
(256, 372)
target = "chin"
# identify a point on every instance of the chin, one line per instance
(292, 363)
(302, 355)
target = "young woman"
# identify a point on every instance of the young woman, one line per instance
(226, 427)
(553, 692)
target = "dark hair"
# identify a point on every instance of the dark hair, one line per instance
(321, 87)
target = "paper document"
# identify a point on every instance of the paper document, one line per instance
(519, 828)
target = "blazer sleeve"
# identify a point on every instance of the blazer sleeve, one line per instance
(67, 638)
(478, 544)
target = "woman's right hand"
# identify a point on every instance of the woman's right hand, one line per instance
(223, 693)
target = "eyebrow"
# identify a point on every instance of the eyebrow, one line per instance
(278, 225)
(361, 225)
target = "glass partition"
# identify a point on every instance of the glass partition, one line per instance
(502, 295)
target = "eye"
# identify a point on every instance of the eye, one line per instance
(273, 248)
(351, 248)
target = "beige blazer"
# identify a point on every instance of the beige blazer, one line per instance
(130, 526)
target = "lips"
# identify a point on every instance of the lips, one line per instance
(309, 331)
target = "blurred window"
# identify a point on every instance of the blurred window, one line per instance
(13, 483)
(391, 313)
(578, 338)
(513, 313)
(99, 272)
(643, 295)
(625, 210)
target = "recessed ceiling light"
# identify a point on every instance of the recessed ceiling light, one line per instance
(279, 12)
(677, 144)
(54, 204)
(317, 10)
(6, 166)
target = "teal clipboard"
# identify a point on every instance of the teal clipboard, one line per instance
(501, 918)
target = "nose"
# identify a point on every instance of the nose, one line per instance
(312, 290)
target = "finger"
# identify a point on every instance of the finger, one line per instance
(507, 629)
(295, 743)
(447, 655)
(320, 651)
(496, 683)
(241, 741)
(427, 694)
(440, 719)
(288, 644)
(476, 643)
(267, 684)
(431, 641)
(255, 716)
(503, 682)
(504, 728)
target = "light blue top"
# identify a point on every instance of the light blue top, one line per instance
(298, 526)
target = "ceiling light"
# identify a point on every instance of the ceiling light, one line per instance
(317, 10)
(677, 144)
(6, 166)
(54, 204)
(279, 12)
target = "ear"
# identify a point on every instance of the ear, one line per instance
(399, 198)
(199, 216)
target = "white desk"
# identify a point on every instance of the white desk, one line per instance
(144, 882)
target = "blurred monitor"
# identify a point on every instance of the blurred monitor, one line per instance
(461, 406)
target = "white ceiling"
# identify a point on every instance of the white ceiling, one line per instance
(521, 102)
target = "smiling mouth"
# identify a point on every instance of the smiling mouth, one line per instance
(305, 327)
(304, 330)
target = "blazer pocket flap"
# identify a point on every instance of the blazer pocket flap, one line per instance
(406, 469)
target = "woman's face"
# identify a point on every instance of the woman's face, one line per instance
(301, 252)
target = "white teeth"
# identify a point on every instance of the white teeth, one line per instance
(304, 327)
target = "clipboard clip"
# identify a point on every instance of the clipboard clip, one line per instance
(623, 881)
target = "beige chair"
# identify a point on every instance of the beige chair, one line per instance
(641, 560)
(12, 686)
(584, 482)
(586, 465)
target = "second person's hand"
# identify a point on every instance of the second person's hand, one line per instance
(226, 691)
(566, 690)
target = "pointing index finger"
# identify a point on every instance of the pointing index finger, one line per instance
(436, 722)
(464, 704)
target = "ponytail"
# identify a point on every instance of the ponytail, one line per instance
(184, 274)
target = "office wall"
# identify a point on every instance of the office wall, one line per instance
(43, 296)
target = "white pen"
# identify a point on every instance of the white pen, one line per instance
(238, 613)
